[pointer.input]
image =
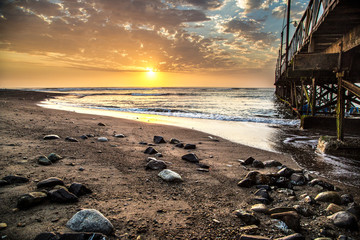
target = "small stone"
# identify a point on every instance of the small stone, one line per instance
(333, 208)
(81, 169)
(330, 196)
(53, 157)
(262, 193)
(202, 165)
(11, 179)
(156, 165)
(150, 150)
(190, 146)
(272, 163)
(291, 219)
(174, 141)
(257, 164)
(266, 187)
(3, 226)
(249, 228)
(260, 208)
(202, 170)
(79, 189)
(3, 183)
(253, 237)
(83, 137)
(62, 195)
(296, 236)
(71, 139)
(158, 155)
(346, 199)
(143, 143)
(119, 135)
(179, 145)
(50, 182)
(159, 139)
(309, 200)
(247, 217)
(90, 220)
(354, 209)
(297, 179)
(216, 221)
(323, 184)
(281, 210)
(248, 161)
(307, 175)
(246, 183)
(51, 137)
(286, 191)
(170, 176)
(285, 172)
(283, 182)
(42, 160)
(191, 157)
(102, 139)
(344, 219)
(31, 199)
(101, 124)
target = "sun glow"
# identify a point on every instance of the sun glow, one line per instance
(151, 74)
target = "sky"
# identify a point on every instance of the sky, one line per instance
(145, 43)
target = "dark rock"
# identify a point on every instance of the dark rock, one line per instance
(42, 160)
(159, 139)
(170, 176)
(71, 139)
(102, 139)
(260, 208)
(31, 199)
(252, 175)
(119, 135)
(346, 199)
(345, 220)
(253, 237)
(262, 193)
(257, 164)
(354, 209)
(143, 143)
(174, 141)
(247, 217)
(51, 137)
(291, 219)
(62, 195)
(11, 179)
(191, 157)
(90, 135)
(306, 212)
(202, 165)
(90, 220)
(70, 236)
(84, 137)
(248, 161)
(50, 182)
(158, 155)
(262, 200)
(150, 150)
(272, 163)
(156, 165)
(323, 184)
(330, 196)
(247, 182)
(179, 145)
(79, 189)
(262, 179)
(285, 172)
(296, 236)
(101, 124)
(266, 187)
(190, 146)
(283, 182)
(3, 183)
(297, 179)
(53, 157)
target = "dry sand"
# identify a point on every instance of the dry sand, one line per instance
(135, 200)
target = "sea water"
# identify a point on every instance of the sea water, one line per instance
(250, 116)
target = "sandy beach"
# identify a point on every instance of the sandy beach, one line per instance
(139, 204)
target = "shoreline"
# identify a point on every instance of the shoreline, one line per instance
(135, 200)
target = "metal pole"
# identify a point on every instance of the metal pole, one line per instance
(287, 34)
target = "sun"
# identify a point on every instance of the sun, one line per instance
(150, 73)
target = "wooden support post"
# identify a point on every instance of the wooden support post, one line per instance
(340, 108)
(313, 97)
(295, 97)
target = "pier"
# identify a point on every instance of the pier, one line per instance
(318, 71)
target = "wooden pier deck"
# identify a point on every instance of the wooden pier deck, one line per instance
(318, 71)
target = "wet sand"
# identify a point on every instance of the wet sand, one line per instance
(135, 200)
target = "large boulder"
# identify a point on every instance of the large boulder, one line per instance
(90, 220)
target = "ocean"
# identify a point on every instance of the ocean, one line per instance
(250, 116)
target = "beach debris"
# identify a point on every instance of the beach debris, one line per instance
(43, 160)
(11, 179)
(83, 137)
(62, 195)
(3, 226)
(191, 157)
(50, 182)
(53, 157)
(323, 184)
(79, 189)
(159, 139)
(290, 218)
(253, 237)
(179, 145)
(344, 219)
(119, 135)
(190, 146)
(71, 139)
(329, 196)
(247, 217)
(170, 176)
(102, 139)
(150, 150)
(174, 141)
(90, 220)
(272, 163)
(31, 199)
(155, 164)
(101, 124)
(257, 164)
(51, 137)
(74, 236)
(260, 208)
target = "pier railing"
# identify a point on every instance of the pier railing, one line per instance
(314, 15)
